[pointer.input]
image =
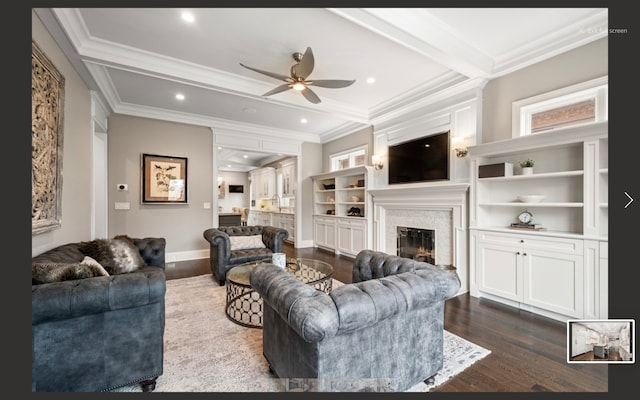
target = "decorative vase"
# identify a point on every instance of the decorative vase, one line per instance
(527, 170)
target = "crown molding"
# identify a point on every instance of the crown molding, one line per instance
(448, 96)
(590, 29)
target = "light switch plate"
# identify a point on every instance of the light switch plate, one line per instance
(122, 206)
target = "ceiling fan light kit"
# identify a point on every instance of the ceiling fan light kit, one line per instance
(298, 75)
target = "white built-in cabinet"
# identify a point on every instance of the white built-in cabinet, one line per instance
(288, 168)
(263, 183)
(336, 195)
(560, 272)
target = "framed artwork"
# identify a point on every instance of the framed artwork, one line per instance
(164, 179)
(47, 116)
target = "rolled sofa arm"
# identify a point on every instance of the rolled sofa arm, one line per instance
(219, 239)
(274, 238)
(69, 299)
(309, 312)
(152, 250)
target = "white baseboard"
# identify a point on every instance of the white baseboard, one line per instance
(186, 255)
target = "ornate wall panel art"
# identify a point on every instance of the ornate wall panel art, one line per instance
(47, 116)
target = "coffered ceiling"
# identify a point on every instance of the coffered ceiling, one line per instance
(139, 59)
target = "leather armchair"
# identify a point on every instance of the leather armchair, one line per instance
(101, 333)
(222, 258)
(384, 331)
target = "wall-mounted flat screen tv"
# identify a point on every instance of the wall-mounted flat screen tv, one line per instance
(420, 160)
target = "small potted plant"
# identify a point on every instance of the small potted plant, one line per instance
(527, 166)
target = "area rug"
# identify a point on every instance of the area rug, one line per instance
(206, 352)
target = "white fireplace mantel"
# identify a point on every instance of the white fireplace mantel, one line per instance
(443, 206)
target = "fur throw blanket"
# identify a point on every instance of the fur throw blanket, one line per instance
(118, 255)
(58, 272)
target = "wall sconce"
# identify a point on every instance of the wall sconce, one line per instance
(376, 160)
(458, 144)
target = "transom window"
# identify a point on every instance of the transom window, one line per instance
(349, 158)
(584, 103)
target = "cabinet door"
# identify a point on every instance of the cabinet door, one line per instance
(553, 281)
(325, 232)
(344, 237)
(351, 236)
(500, 270)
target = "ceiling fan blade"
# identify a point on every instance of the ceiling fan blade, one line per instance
(304, 68)
(278, 89)
(331, 83)
(267, 73)
(309, 95)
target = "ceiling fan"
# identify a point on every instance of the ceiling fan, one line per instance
(297, 78)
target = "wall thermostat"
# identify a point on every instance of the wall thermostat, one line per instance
(123, 186)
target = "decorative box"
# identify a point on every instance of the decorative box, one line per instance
(493, 170)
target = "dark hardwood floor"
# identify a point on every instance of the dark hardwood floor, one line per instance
(528, 351)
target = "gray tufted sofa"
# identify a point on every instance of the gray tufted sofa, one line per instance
(222, 258)
(100, 333)
(384, 331)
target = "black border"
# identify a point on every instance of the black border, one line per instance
(623, 260)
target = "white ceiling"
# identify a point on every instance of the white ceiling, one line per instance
(138, 59)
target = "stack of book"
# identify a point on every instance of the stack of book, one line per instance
(530, 227)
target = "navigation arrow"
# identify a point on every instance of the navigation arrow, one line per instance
(630, 199)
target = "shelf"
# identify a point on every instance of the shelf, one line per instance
(542, 175)
(325, 190)
(540, 205)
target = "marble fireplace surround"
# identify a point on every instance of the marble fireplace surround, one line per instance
(441, 207)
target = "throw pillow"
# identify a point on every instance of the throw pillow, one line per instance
(246, 242)
(118, 255)
(58, 272)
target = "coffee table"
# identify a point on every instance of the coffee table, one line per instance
(244, 305)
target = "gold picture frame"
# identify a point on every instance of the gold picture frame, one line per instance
(47, 121)
(164, 179)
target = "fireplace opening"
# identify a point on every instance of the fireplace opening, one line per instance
(417, 244)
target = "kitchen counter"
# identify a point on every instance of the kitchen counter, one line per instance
(288, 212)
(229, 219)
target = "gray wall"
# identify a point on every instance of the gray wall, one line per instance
(181, 225)
(77, 150)
(582, 64)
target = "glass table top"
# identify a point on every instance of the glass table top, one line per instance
(307, 270)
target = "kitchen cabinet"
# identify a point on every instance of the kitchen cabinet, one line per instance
(263, 183)
(289, 178)
(285, 221)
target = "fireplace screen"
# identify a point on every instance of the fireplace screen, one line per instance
(417, 244)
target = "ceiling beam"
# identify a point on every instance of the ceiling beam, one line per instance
(420, 31)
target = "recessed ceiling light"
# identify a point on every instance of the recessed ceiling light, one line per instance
(228, 165)
(245, 156)
(187, 16)
(371, 79)
(219, 148)
(180, 96)
(303, 121)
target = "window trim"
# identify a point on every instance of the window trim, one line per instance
(523, 110)
(335, 158)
